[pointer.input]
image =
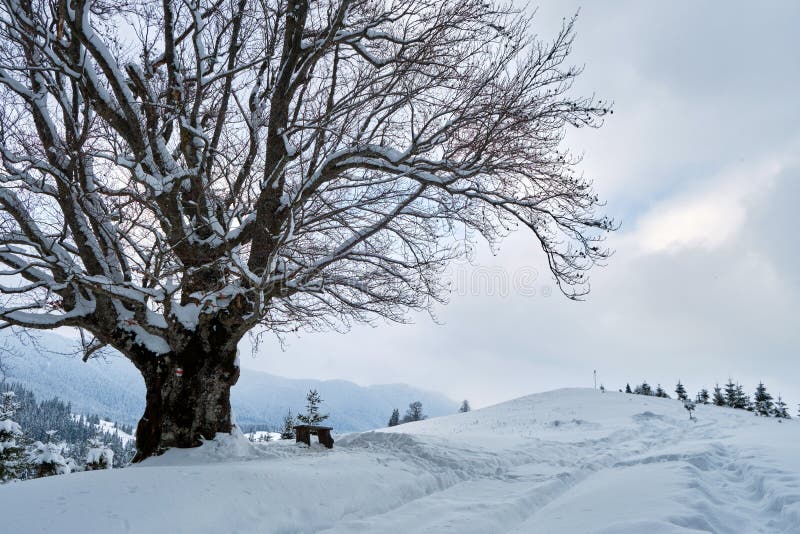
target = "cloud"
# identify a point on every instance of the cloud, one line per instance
(714, 214)
(699, 164)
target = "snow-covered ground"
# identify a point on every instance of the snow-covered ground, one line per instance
(111, 428)
(565, 461)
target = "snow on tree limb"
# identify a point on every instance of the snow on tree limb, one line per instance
(280, 163)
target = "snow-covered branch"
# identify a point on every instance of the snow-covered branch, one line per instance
(287, 162)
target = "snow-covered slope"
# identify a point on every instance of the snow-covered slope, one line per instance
(112, 388)
(564, 461)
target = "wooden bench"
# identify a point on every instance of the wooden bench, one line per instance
(303, 433)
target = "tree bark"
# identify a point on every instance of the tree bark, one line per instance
(188, 398)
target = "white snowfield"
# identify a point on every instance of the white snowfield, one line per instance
(566, 461)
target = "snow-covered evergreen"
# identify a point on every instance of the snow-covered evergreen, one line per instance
(762, 400)
(731, 394)
(718, 398)
(287, 430)
(394, 419)
(39, 419)
(12, 457)
(680, 391)
(780, 410)
(312, 415)
(99, 455)
(48, 458)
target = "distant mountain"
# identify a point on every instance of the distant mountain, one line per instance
(262, 397)
(112, 388)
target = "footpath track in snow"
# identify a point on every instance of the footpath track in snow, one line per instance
(658, 473)
(564, 461)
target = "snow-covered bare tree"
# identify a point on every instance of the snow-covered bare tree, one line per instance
(176, 174)
(414, 413)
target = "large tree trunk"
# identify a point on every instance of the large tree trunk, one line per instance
(188, 398)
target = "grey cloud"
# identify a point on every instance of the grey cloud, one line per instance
(699, 89)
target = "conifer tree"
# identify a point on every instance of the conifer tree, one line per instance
(731, 394)
(718, 399)
(628, 388)
(394, 420)
(99, 455)
(660, 392)
(763, 400)
(465, 407)
(287, 432)
(680, 391)
(643, 389)
(742, 399)
(703, 396)
(47, 458)
(12, 459)
(312, 415)
(779, 409)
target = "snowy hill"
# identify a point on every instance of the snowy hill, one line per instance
(568, 461)
(111, 387)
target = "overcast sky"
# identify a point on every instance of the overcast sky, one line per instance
(700, 163)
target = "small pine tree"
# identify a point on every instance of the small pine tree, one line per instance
(628, 388)
(660, 392)
(718, 399)
(731, 394)
(47, 459)
(287, 432)
(12, 457)
(465, 407)
(763, 400)
(779, 409)
(680, 391)
(742, 399)
(644, 389)
(394, 420)
(414, 412)
(99, 455)
(702, 396)
(690, 406)
(312, 415)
